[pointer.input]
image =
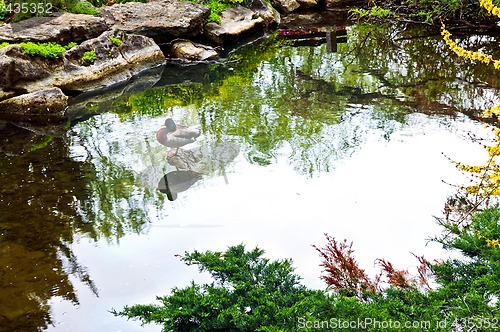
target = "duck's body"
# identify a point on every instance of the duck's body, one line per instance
(176, 136)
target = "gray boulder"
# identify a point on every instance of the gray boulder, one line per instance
(187, 50)
(94, 102)
(19, 68)
(163, 20)
(113, 64)
(236, 22)
(46, 105)
(270, 15)
(285, 6)
(28, 77)
(61, 28)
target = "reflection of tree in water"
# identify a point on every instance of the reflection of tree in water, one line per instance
(305, 104)
(416, 61)
(37, 223)
(299, 99)
(114, 205)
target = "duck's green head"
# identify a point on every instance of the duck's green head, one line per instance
(170, 125)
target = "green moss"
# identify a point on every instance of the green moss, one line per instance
(218, 6)
(45, 50)
(116, 41)
(70, 45)
(83, 7)
(88, 58)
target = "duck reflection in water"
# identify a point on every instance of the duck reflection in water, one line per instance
(177, 181)
(175, 135)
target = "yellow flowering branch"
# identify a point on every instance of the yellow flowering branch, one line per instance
(487, 176)
(461, 52)
(490, 7)
(489, 242)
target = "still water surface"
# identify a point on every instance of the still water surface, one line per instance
(297, 142)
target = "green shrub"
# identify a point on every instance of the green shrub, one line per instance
(83, 7)
(252, 293)
(3, 11)
(45, 50)
(216, 8)
(88, 58)
(2, 45)
(116, 41)
(249, 293)
(374, 12)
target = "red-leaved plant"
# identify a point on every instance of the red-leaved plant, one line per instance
(343, 275)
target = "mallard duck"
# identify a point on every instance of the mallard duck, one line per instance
(176, 136)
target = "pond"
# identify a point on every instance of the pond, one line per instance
(296, 142)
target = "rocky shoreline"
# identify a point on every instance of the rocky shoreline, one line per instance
(125, 40)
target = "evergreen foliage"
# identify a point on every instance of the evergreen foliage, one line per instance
(252, 293)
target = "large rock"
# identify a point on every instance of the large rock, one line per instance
(18, 68)
(163, 20)
(236, 22)
(100, 101)
(113, 64)
(270, 15)
(187, 50)
(61, 28)
(285, 6)
(46, 105)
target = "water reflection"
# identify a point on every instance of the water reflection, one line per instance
(279, 125)
(209, 159)
(37, 224)
(177, 181)
(331, 36)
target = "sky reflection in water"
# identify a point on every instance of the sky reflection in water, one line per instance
(296, 143)
(383, 197)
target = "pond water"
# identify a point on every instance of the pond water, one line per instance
(296, 142)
